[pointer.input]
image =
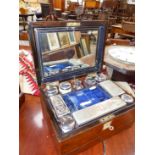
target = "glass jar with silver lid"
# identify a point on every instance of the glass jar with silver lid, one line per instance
(100, 77)
(77, 84)
(67, 123)
(51, 90)
(65, 87)
(89, 81)
(127, 98)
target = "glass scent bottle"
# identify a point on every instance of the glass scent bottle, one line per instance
(51, 90)
(89, 81)
(67, 123)
(100, 77)
(127, 98)
(65, 87)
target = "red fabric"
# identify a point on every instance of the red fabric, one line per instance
(28, 82)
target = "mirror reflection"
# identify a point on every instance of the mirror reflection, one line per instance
(68, 51)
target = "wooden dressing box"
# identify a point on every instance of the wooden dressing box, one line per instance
(76, 97)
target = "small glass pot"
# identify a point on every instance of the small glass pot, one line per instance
(127, 98)
(77, 84)
(65, 87)
(67, 123)
(89, 81)
(51, 90)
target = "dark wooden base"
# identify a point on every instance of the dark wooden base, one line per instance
(89, 135)
(118, 76)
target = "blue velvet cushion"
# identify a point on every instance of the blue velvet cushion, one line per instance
(86, 97)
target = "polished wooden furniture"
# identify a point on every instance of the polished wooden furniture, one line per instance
(23, 40)
(24, 18)
(128, 26)
(46, 9)
(35, 138)
(117, 28)
(59, 4)
(120, 71)
(72, 6)
(23, 36)
(109, 4)
(111, 41)
(93, 132)
(87, 136)
(91, 4)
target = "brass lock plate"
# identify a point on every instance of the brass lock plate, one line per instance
(108, 125)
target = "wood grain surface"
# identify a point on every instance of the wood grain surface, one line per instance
(35, 138)
(122, 143)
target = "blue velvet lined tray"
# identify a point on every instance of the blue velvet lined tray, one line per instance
(84, 98)
(58, 67)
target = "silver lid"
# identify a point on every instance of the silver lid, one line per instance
(67, 123)
(78, 84)
(100, 77)
(51, 90)
(65, 85)
(75, 67)
(90, 81)
(127, 98)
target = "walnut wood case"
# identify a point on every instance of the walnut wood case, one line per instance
(94, 131)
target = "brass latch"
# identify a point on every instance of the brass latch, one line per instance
(107, 118)
(108, 126)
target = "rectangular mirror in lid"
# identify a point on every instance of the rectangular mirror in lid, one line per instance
(63, 50)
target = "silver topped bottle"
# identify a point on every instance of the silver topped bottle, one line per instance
(65, 87)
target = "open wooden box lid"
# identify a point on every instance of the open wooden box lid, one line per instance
(66, 49)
